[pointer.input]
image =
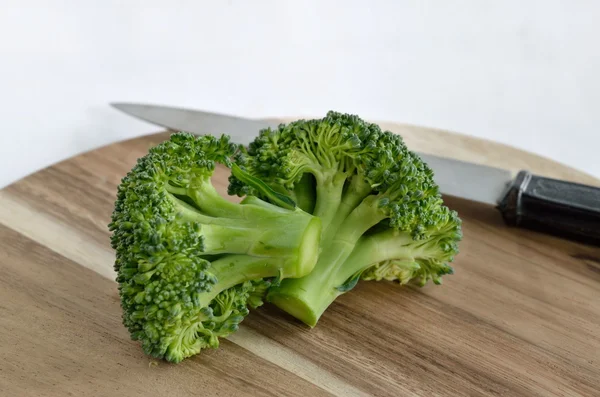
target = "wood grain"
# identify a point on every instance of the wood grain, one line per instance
(62, 335)
(521, 316)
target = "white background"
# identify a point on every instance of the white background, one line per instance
(526, 73)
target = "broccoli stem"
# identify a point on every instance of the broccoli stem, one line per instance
(206, 199)
(291, 237)
(232, 270)
(376, 248)
(306, 298)
(356, 191)
(256, 228)
(330, 187)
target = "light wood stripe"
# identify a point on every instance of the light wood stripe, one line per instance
(293, 362)
(48, 231)
(60, 238)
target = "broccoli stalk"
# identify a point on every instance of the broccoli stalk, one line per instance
(386, 255)
(252, 227)
(380, 208)
(189, 262)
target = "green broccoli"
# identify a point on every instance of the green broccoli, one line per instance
(382, 213)
(189, 262)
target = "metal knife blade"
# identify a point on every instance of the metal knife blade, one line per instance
(556, 207)
(486, 184)
(241, 130)
(467, 180)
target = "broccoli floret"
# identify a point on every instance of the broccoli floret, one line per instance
(382, 213)
(189, 262)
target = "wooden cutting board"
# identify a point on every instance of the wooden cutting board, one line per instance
(521, 316)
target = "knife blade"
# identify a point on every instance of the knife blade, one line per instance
(548, 205)
(241, 130)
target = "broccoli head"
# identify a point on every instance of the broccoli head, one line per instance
(382, 214)
(189, 262)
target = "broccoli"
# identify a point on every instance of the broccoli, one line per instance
(382, 214)
(189, 262)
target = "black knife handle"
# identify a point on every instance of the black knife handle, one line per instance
(564, 209)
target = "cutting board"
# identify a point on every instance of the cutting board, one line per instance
(521, 316)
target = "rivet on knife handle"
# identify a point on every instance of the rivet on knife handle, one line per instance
(564, 209)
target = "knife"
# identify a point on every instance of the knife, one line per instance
(566, 209)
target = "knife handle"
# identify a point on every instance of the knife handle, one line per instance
(564, 209)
